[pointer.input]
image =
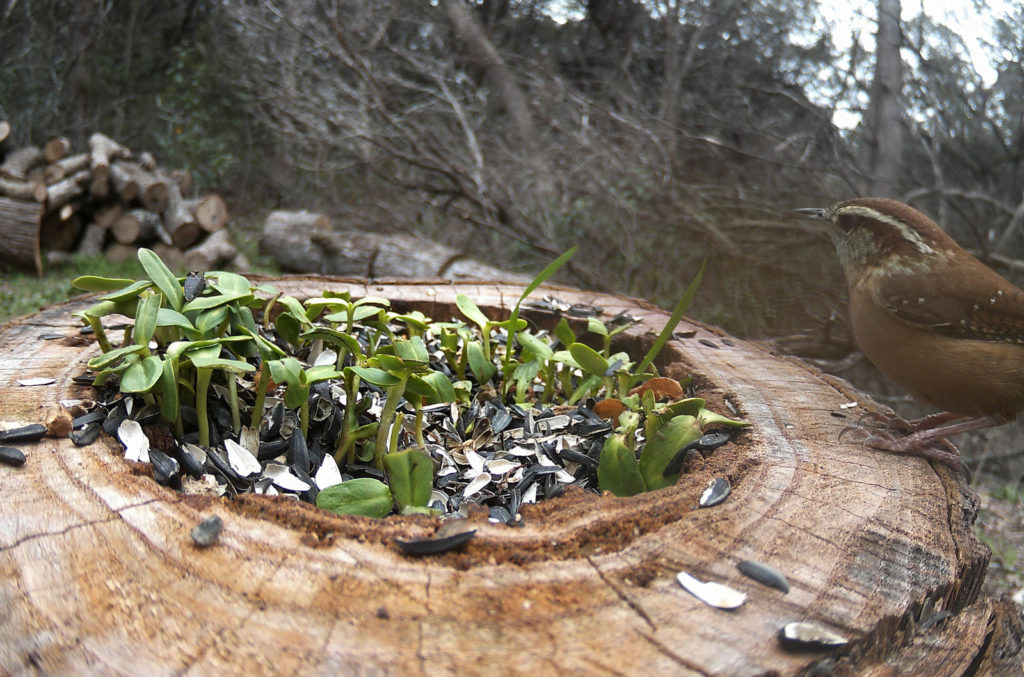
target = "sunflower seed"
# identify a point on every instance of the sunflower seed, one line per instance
(762, 573)
(717, 491)
(11, 456)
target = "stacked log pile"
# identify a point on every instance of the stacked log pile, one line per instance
(104, 199)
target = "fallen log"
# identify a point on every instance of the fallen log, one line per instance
(19, 164)
(65, 190)
(91, 242)
(137, 226)
(179, 221)
(215, 251)
(123, 180)
(306, 242)
(55, 149)
(210, 211)
(20, 225)
(34, 191)
(102, 151)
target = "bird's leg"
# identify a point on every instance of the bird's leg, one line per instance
(936, 429)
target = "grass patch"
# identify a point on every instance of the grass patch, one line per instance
(22, 293)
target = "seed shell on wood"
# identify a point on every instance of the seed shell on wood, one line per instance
(717, 491)
(87, 435)
(810, 636)
(11, 456)
(713, 594)
(37, 381)
(136, 444)
(762, 573)
(447, 538)
(207, 532)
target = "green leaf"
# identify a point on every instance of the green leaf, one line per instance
(377, 377)
(442, 385)
(483, 369)
(705, 417)
(142, 376)
(335, 338)
(663, 446)
(677, 314)
(617, 470)
(169, 401)
(207, 302)
(166, 317)
(363, 496)
(209, 320)
(564, 333)
(94, 283)
(412, 350)
(410, 476)
(534, 345)
(469, 309)
(106, 359)
(589, 359)
(162, 277)
(596, 326)
(358, 314)
(129, 292)
(146, 319)
(230, 283)
(322, 373)
(417, 387)
(288, 327)
(691, 406)
(379, 301)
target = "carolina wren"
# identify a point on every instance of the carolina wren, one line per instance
(931, 317)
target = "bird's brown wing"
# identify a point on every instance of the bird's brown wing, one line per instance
(992, 309)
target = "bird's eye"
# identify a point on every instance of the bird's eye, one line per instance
(845, 222)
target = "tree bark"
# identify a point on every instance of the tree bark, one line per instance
(179, 222)
(885, 114)
(20, 223)
(99, 568)
(102, 151)
(214, 252)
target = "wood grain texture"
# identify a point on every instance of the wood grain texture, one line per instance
(98, 574)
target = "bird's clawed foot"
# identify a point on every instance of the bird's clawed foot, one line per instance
(897, 435)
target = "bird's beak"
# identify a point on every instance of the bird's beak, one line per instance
(814, 212)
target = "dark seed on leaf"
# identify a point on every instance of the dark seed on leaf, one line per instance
(28, 433)
(707, 342)
(11, 456)
(711, 441)
(87, 435)
(762, 573)
(206, 532)
(718, 490)
(195, 282)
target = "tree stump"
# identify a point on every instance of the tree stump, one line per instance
(100, 574)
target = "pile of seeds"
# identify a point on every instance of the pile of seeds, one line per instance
(490, 453)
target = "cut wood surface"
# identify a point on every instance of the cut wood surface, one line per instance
(100, 575)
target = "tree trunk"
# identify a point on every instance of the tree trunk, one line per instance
(20, 223)
(100, 574)
(885, 114)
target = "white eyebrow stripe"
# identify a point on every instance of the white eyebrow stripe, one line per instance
(906, 231)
